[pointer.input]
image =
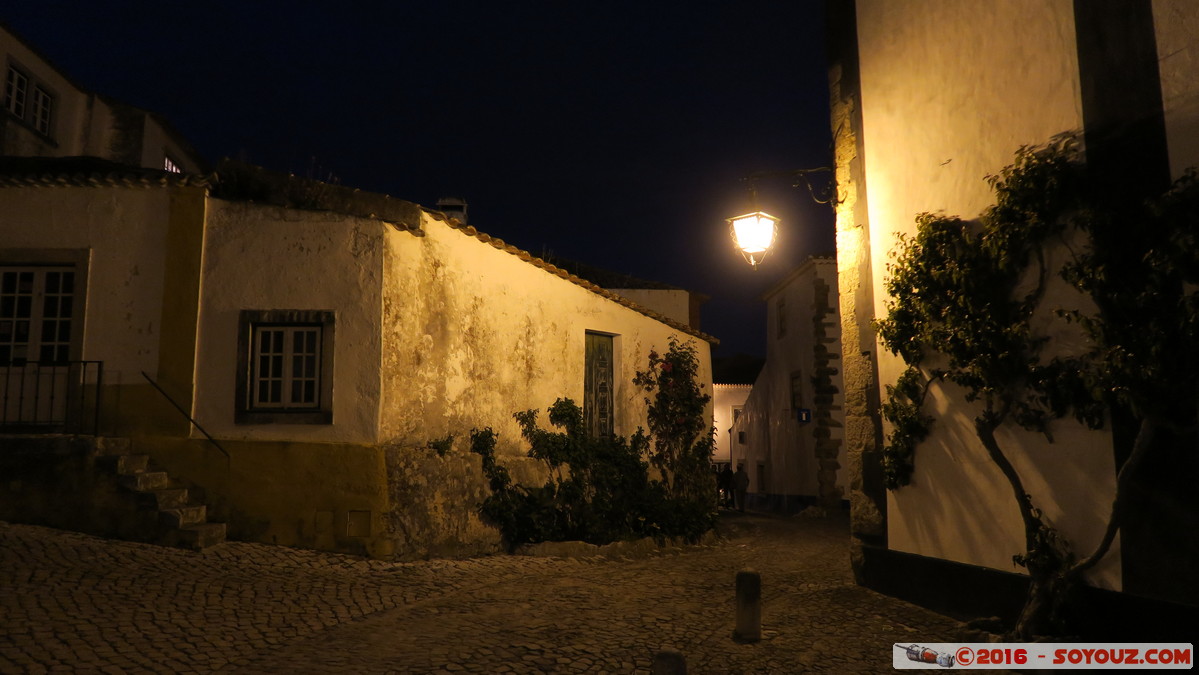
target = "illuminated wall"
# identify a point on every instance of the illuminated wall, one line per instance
(473, 331)
(950, 90)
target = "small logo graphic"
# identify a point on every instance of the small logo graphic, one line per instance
(926, 655)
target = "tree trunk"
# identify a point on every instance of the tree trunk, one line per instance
(1050, 580)
(1140, 447)
(1044, 587)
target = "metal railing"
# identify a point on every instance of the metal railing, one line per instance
(59, 397)
(185, 414)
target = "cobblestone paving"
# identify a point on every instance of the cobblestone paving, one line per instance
(74, 603)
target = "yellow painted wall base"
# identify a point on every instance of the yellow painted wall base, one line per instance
(390, 503)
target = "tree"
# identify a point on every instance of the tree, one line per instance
(962, 299)
(682, 439)
(599, 489)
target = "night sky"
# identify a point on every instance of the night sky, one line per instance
(613, 133)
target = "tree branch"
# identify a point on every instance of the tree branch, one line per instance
(1140, 448)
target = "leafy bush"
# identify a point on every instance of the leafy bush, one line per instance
(599, 490)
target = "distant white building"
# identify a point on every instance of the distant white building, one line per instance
(727, 402)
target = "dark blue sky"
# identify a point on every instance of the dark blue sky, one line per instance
(615, 133)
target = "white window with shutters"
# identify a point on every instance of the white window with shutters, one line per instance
(285, 367)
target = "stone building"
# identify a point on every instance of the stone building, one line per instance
(788, 435)
(928, 99)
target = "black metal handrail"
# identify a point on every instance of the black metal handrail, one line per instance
(185, 414)
(61, 397)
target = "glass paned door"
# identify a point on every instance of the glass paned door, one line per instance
(36, 307)
(36, 304)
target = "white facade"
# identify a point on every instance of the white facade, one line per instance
(728, 400)
(787, 435)
(422, 329)
(948, 92)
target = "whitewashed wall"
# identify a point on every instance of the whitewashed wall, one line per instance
(125, 230)
(726, 398)
(473, 333)
(272, 258)
(950, 90)
(1177, 23)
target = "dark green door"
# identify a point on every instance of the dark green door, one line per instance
(597, 385)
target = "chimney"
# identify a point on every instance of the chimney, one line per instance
(454, 207)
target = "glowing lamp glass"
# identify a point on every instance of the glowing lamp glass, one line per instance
(753, 233)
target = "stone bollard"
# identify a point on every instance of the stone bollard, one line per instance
(669, 662)
(749, 607)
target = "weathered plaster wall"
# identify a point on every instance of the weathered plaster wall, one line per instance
(725, 398)
(1177, 24)
(266, 257)
(125, 230)
(940, 112)
(473, 333)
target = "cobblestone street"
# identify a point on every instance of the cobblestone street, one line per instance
(75, 603)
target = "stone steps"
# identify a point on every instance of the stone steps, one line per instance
(179, 522)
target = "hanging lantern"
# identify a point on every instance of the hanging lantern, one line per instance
(753, 233)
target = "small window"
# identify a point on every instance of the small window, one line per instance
(15, 88)
(169, 165)
(43, 105)
(737, 412)
(741, 438)
(796, 390)
(285, 370)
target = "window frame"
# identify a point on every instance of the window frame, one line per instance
(37, 103)
(40, 95)
(78, 260)
(10, 91)
(796, 390)
(246, 411)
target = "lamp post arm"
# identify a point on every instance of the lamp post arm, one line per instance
(800, 176)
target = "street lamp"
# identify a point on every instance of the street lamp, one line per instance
(754, 233)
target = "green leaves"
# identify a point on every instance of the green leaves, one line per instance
(960, 296)
(599, 489)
